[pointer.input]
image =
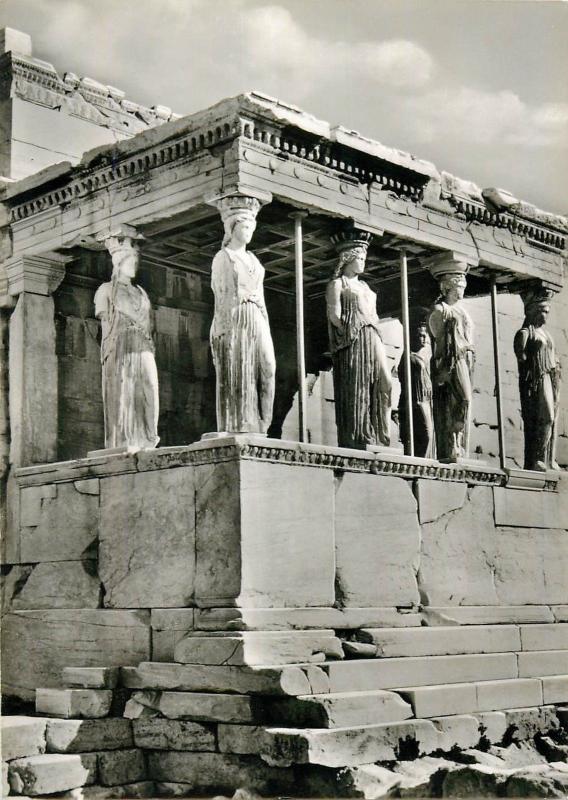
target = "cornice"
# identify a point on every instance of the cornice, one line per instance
(182, 141)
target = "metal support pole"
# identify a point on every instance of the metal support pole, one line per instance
(497, 364)
(409, 444)
(298, 216)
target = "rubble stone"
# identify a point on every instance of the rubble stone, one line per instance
(121, 766)
(88, 735)
(169, 734)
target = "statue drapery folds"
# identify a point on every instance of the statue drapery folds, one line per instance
(539, 381)
(362, 380)
(129, 374)
(243, 353)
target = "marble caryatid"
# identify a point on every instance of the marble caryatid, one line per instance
(539, 381)
(240, 337)
(129, 374)
(452, 332)
(421, 387)
(361, 373)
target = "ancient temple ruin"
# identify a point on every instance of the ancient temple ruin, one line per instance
(271, 611)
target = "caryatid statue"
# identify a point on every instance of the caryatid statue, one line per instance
(361, 373)
(243, 353)
(421, 388)
(539, 381)
(129, 374)
(452, 333)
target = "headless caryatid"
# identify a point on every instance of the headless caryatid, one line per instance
(539, 381)
(361, 374)
(129, 374)
(421, 386)
(452, 332)
(243, 353)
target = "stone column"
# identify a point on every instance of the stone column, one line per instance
(32, 358)
(539, 378)
(452, 332)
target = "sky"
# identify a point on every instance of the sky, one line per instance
(479, 87)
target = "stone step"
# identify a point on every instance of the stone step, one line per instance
(337, 710)
(544, 662)
(257, 648)
(464, 698)
(393, 673)
(555, 689)
(69, 703)
(450, 640)
(334, 747)
(90, 677)
(485, 615)
(50, 773)
(286, 680)
(545, 637)
(22, 736)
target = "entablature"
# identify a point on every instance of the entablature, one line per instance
(255, 143)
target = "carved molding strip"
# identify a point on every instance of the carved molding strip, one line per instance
(315, 456)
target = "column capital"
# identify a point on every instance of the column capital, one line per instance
(36, 274)
(253, 199)
(352, 236)
(450, 262)
(120, 234)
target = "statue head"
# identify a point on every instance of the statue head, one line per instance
(537, 305)
(352, 246)
(452, 286)
(419, 336)
(351, 261)
(125, 255)
(239, 218)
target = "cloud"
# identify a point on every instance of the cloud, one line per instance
(286, 53)
(473, 116)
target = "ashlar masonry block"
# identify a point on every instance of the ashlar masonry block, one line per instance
(147, 539)
(264, 535)
(377, 540)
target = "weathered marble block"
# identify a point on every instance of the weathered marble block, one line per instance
(264, 535)
(147, 539)
(44, 642)
(377, 541)
(59, 522)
